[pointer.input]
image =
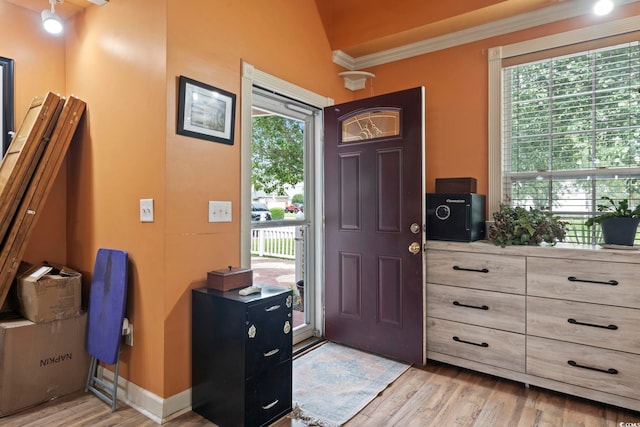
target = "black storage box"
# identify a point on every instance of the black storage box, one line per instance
(458, 217)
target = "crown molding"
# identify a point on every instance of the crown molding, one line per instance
(547, 15)
(344, 60)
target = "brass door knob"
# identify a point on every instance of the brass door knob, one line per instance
(414, 248)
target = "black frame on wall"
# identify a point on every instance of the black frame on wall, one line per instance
(6, 105)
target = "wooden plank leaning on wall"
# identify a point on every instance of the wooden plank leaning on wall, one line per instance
(23, 154)
(17, 237)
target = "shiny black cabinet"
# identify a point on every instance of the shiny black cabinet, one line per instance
(241, 355)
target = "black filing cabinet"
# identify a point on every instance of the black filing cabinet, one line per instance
(241, 355)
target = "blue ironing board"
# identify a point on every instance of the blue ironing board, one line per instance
(107, 301)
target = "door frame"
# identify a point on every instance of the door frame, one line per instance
(253, 77)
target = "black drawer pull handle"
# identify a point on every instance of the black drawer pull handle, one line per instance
(482, 270)
(482, 307)
(270, 405)
(272, 308)
(606, 371)
(608, 282)
(484, 344)
(272, 352)
(575, 322)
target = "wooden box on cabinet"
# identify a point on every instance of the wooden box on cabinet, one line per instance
(229, 278)
(456, 185)
(241, 356)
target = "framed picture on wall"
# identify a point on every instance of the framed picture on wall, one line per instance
(205, 112)
(6, 103)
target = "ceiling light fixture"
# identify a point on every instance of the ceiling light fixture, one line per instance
(603, 7)
(50, 21)
(355, 80)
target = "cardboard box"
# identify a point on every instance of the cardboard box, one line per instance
(456, 185)
(41, 361)
(48, 292)
(229, 278)
(11, 307)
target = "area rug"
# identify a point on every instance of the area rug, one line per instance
(332, 383)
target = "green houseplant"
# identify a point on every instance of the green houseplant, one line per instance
(617, 221)
(520, 226)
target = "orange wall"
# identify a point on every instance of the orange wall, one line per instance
(208, 42)
(455, 80)
(116, 62)
(124, 60)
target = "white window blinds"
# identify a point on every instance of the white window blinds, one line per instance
(571, 133)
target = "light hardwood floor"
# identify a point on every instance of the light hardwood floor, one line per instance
(436, 395)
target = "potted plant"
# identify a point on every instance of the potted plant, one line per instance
(520, 226)
(618, 222)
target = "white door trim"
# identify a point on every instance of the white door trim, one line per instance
(250, 77)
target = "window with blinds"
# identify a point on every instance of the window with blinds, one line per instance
(571, 133)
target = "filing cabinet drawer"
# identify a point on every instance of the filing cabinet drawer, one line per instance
(269, 334)
(484, 308)
(269, 395)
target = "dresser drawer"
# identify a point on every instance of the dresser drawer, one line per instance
(588, 281)
(483, 308)
(597, 325)
(595, 368)
(485, 345)
(480, 271)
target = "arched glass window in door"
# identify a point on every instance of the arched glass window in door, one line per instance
(371, 124)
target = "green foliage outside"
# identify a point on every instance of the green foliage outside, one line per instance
(277, 154)
(575, 114)
(277, 213)
(297, 198)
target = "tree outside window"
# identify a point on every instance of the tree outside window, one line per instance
(571, 133)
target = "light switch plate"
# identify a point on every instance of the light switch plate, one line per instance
(146, 210)
(219, 211)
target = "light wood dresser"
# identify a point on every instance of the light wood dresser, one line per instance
(566, 318)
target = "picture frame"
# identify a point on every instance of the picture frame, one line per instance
(6, 104)
(205, 112)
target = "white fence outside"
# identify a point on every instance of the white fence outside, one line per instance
(277, 242)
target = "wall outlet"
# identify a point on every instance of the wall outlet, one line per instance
(219, 211)
(128, 338)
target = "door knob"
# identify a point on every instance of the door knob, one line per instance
(414, 248)
(415, 228)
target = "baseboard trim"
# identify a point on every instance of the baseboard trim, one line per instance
(147, 403)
